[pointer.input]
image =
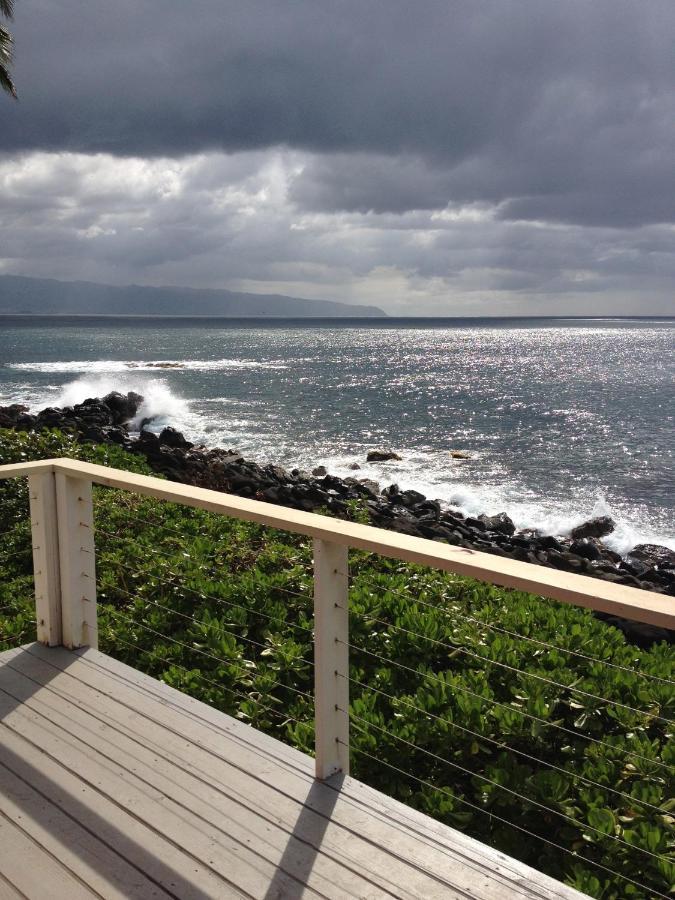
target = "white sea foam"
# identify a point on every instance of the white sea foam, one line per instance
(431, 475)
(161, 405)
(108, 366)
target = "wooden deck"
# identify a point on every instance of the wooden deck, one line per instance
(114, 785)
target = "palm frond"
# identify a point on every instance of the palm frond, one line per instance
(6, 82)
(7, 8)
(6, 46)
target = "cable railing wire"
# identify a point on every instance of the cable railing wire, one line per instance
(486, 700)
(506, 706)
(483, 699)
(201, 559)
(10, 530)
(180, 530)
(424, 751)
(12, 608)
(276, 587)
(353, 716)
(157, 550)
(502, 787)
(6, 637)
(221, 600)
(453, 614)
(502, 665)
(504, 821)
(501, 745)
(200, 622)
(222, 687)
(420, 674)
(212, 656)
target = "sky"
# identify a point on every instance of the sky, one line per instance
(459, 157)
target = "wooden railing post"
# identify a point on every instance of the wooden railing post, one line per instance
(46, 566)
(331, 658)
(75, 514)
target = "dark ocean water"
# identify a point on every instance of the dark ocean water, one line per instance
(562, 418)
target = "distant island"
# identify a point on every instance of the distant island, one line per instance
(47, 297)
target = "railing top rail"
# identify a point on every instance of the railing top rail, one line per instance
(21, 470)
(602, 596)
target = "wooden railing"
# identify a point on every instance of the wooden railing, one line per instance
(64, 555)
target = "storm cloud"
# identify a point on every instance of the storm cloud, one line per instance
(508, 152)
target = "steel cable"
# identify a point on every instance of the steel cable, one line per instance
(498, 818)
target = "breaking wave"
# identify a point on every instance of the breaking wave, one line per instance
(161, 405)
(494, 495)
(106, 366)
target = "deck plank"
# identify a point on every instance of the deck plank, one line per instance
(36, 879)
(269, 826)
(203, 805)
(226, 835)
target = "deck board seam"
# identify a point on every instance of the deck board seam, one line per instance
(507, 877)
(282, 828)
(123, 809)
(80, 824)
(17, 891)
(141, 696)
(154, 749)
(29, 837)
(506, 874)
(219, 730)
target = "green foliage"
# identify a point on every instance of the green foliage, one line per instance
(16, 565)
(452, 710)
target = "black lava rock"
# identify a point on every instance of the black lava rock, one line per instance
(594, 528)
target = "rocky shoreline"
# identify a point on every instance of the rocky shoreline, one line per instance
(106, 420)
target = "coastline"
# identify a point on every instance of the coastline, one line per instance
(106, 421)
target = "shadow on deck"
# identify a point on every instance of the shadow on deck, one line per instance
(113, 784)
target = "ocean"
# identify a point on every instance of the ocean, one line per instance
(562, 419)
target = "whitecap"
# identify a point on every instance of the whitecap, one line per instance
(109, 366)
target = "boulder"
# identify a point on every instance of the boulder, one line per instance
(459, 454)
(169, 437)
(653, 555)
(428, 508)
(147, 441)
(548, 542)
(452, 516)
(475, 524)
(594, 528)
(649, 566)
(49, 418)
(354, 466)
(15, 416)
(92, 412)
(381, 456)
(501, 523)
(586, 548)
(277, 473)
(411, 498)
(123, 406)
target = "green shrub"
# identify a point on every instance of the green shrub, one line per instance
(443, 717)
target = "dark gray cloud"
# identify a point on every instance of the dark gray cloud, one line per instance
(551, 111)
(444, 157)
(226, 220)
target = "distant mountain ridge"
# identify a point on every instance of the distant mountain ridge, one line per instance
(20, 295)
